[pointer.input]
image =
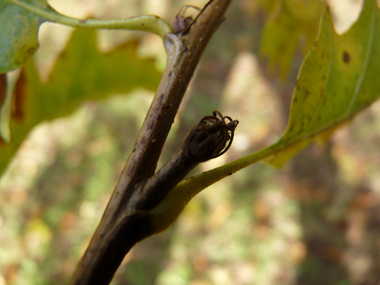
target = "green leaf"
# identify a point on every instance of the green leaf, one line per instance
(81, 73)
(21, 19)
(5, 108)
(290, 24)
(147, 23)
(18, 34)
(337, 79)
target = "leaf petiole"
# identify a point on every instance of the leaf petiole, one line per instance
(146, 23)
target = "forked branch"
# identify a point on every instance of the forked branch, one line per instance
(123, 225)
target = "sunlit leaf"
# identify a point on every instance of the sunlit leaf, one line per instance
(337, 80)
(291, 24)
(5, 108)
(80, 73)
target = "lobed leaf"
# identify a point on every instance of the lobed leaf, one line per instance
(80, 73)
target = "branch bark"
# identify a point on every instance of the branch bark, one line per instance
(121, 227)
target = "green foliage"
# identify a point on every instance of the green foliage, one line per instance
(18, 34)
(337, 80)
(81, 73)
(20, 21)
(290, 24)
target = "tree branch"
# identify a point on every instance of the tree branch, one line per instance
(115, 231)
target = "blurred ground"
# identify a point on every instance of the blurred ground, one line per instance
(316, 221)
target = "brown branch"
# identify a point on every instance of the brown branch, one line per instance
(118, 232)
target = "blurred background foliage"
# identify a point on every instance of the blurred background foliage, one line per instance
(316, 221)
